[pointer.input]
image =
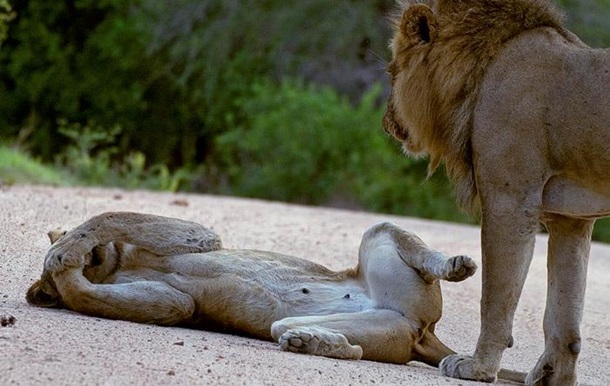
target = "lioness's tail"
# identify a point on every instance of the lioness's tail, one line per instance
(431, 351)
(513, 376)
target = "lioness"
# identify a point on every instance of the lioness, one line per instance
(518, 109)
(160, 270)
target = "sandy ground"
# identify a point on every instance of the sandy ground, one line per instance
(47, 346)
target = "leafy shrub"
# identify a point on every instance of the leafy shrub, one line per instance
(92, 157)
(6, 15)
(590, 20)
(16, 166)
(307, 144)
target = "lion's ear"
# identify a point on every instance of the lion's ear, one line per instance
(418, 24)
(55, 235)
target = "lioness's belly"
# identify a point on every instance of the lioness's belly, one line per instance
(248, 290)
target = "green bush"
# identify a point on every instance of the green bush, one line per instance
(590, 20)
(6, 15)
(92, 157)
(307, 144)
(18, 167)
(168, 72)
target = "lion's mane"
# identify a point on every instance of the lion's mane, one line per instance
(440, 81)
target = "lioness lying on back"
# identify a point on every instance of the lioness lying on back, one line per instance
(160, 270)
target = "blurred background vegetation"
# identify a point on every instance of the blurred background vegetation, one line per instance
(273, 99)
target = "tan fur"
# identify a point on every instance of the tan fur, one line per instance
(153, 269)
(516, 107)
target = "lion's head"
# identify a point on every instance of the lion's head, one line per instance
(441, 50)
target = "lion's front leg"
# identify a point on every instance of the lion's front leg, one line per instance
(160, 235)
(569, 244)
(508, 236)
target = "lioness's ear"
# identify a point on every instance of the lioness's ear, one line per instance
(418, 24)
(55, 235)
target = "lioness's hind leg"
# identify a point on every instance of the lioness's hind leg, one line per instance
(430, 264)
(456, 268)
(319, 341)
(160, 235)
(379, 335)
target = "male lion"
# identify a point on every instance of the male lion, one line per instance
(518, 110)
(160, 270)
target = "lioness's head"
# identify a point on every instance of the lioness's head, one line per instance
(411, 103)
(43, 293)
(99, 263)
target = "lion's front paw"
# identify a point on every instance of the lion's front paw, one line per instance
(553, 368)
(459, 268)
(316, 342)
(465, 367)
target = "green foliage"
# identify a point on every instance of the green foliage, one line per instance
(67, 59)
(589, 19)
(308, 144)
(138, 93)
(169, 72)
(601, 231)
(18, 167)
(294, 146)
(79, 157)
(92, 158)
(6, 15)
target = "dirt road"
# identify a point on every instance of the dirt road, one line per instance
(57, 347)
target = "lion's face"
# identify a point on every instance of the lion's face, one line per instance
(409, 101)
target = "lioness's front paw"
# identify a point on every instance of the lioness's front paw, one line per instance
(465, 367)
(312, 341)
(459, 268)
(59, 259)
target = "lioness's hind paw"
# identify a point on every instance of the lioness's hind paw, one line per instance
(464, 367)
(460, 268)
(315, 342)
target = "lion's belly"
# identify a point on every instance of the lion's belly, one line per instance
(572, 198)
(547, 120)
(577, 120)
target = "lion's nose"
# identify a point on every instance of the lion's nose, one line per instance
(391, 127)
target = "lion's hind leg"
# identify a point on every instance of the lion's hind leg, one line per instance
(569, 244)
